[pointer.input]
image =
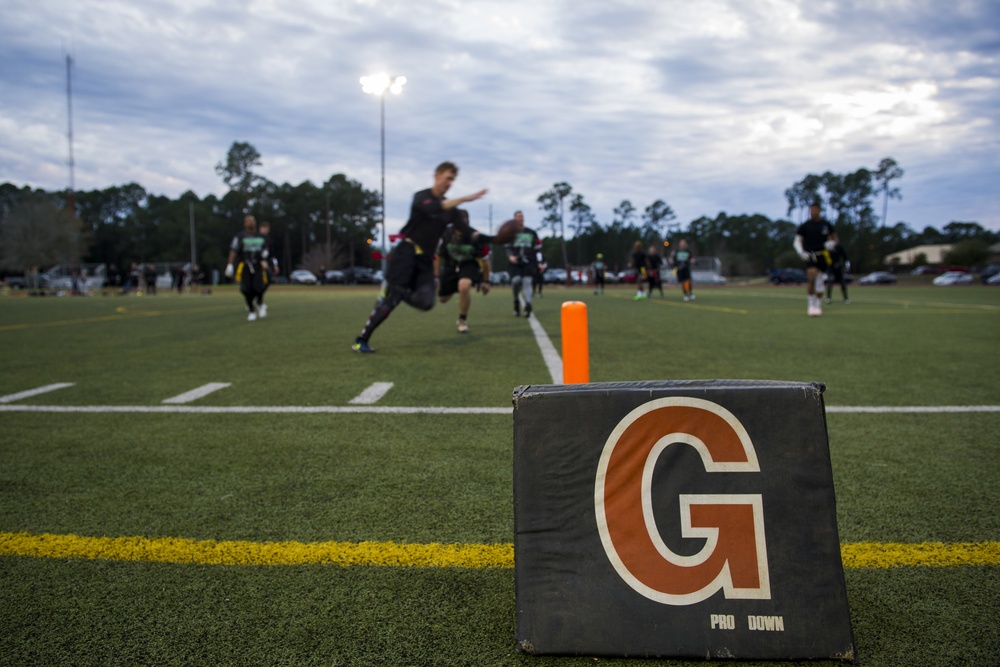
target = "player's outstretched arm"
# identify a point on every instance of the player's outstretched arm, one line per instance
(449, 204)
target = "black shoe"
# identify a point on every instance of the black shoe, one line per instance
(517, 309)
(527, 310)
(362, 346)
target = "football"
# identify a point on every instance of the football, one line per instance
(506, 232)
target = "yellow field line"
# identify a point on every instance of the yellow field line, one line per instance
(122, 313)
(394, 554)
(212, 552)
(878, 555)
(82, 320)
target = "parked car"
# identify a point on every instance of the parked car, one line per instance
(878, 278)
(499, 278)
(302, 277)
(334, 277)
(994, 279)
(786, 276)
(26, 282)
(926, 270)
(713, 279)
(626, 276)
(554, 276)
(952, 278)
(988, 272)
(361, 275)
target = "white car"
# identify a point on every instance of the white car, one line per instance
(953, 278)
(302, 277)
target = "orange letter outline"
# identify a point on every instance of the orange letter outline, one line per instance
(734, 557)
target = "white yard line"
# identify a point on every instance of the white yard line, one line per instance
(193, 395)
(262, 409)
(929, 409)
(371, 409)
(552, 359)
(372, 394)
(9, 398)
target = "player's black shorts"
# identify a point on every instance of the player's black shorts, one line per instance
(409, 267)
(252, 279)
(522, 271)
(451, 274)
(683, 274)
(819, 259)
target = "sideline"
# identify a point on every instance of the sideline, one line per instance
(417, 410)
(393, 554)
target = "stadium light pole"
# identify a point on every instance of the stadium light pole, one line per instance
(378, 84)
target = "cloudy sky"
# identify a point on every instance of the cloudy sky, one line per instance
(710, 105)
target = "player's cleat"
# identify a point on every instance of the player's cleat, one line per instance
(463, 326)
(692, 297)
(827, 300)
(847, 300)
(527, 310)
(517, 309)
(815, 311)
(252, 317)
(687, 298)
(262, 311)
(362, 346)
(640, 297)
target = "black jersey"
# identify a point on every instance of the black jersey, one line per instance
(639, 262)
(525, 248)
(251, 248)
(681, 260)
(427, 220)
(457, 246)
(814, 234)
(838, 258)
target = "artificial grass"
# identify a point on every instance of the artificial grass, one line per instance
(444, 478)
(416, 478)
(62, 612)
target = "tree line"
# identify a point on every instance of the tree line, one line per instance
(332, 225)
(750, 244)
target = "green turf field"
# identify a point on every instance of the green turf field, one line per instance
(274, 522)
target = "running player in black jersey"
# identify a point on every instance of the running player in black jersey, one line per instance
(641, 265)
(272, 267)
(813, 241)
(523, 252)
(251, 272)
(839, 264)
(598, 268)
(681, 259)
(656, 264)
(410, 273)
(462, 266)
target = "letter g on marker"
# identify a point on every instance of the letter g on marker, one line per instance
(734, 556)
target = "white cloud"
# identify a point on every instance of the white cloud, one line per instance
(710, 105)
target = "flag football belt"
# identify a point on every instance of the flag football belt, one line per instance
(417, 248)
